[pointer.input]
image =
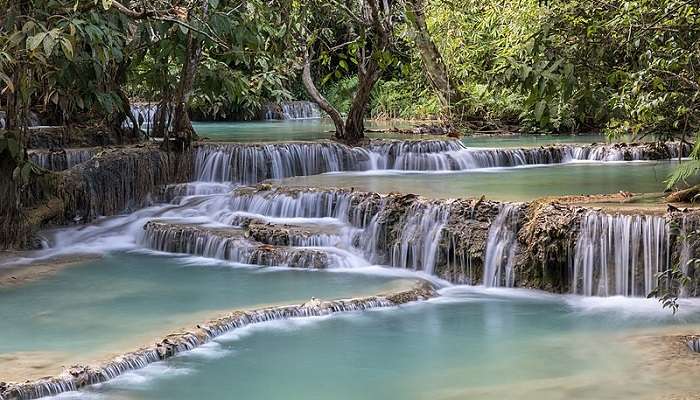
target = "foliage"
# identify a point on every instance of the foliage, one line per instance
(629, 66)
(679, 278)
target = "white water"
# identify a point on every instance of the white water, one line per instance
(292, 110)
(501, 248)
(613, 255)
(619, 254)
(61, 160)
(254, 163)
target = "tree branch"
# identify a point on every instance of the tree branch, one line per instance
(317, 97)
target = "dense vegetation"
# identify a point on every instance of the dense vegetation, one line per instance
(622, 67)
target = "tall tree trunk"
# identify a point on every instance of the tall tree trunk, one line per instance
(433, 63)
(355, 122)
(318, 98)
(182, 125)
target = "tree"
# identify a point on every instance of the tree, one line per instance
(630, 67)
(366, 38)
(447, 90)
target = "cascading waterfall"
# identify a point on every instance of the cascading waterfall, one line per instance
(611, 255)
(145, 115)
(501, 247)
(62, 159)
(294, 110)
(250, 164)
(417, 243)
(619, 254)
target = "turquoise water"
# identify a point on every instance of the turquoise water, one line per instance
(123, 301)
(471, 344)
(280, 131)
(507, 184)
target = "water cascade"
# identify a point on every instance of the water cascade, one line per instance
(62, 159)
(146, 115)
(460, 240)
(400, 231)
(501, 248)
(295, 110)
(413, 238)
(250, 164)
(619, 254)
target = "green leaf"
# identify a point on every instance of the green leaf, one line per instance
(67, 48)
(34, 41)
(49, 43)
(214, 3)
(7, 81)
(539, 109)
(106, 4)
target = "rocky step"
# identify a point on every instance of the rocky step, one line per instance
(235, 244)
(61, 159)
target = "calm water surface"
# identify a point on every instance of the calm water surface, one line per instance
(314, 129)
(470, 344)
(507, 184)
(122, 301)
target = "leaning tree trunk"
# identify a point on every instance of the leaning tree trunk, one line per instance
(318, 98)
(355, 122)
(433, 63)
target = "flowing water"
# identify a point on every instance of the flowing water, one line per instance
(620, 255)
(471, 343)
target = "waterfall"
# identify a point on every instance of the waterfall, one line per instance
(292, 110)
(146, 115)
(390, 231)
(62, 159)
(420, 232)
(250, 164)
(630, 152)
(619, 254)
(501, 247)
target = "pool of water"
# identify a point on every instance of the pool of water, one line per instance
(507, 184)
(315, 129)
(281, 131)
(470, 344)
(125, 300)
